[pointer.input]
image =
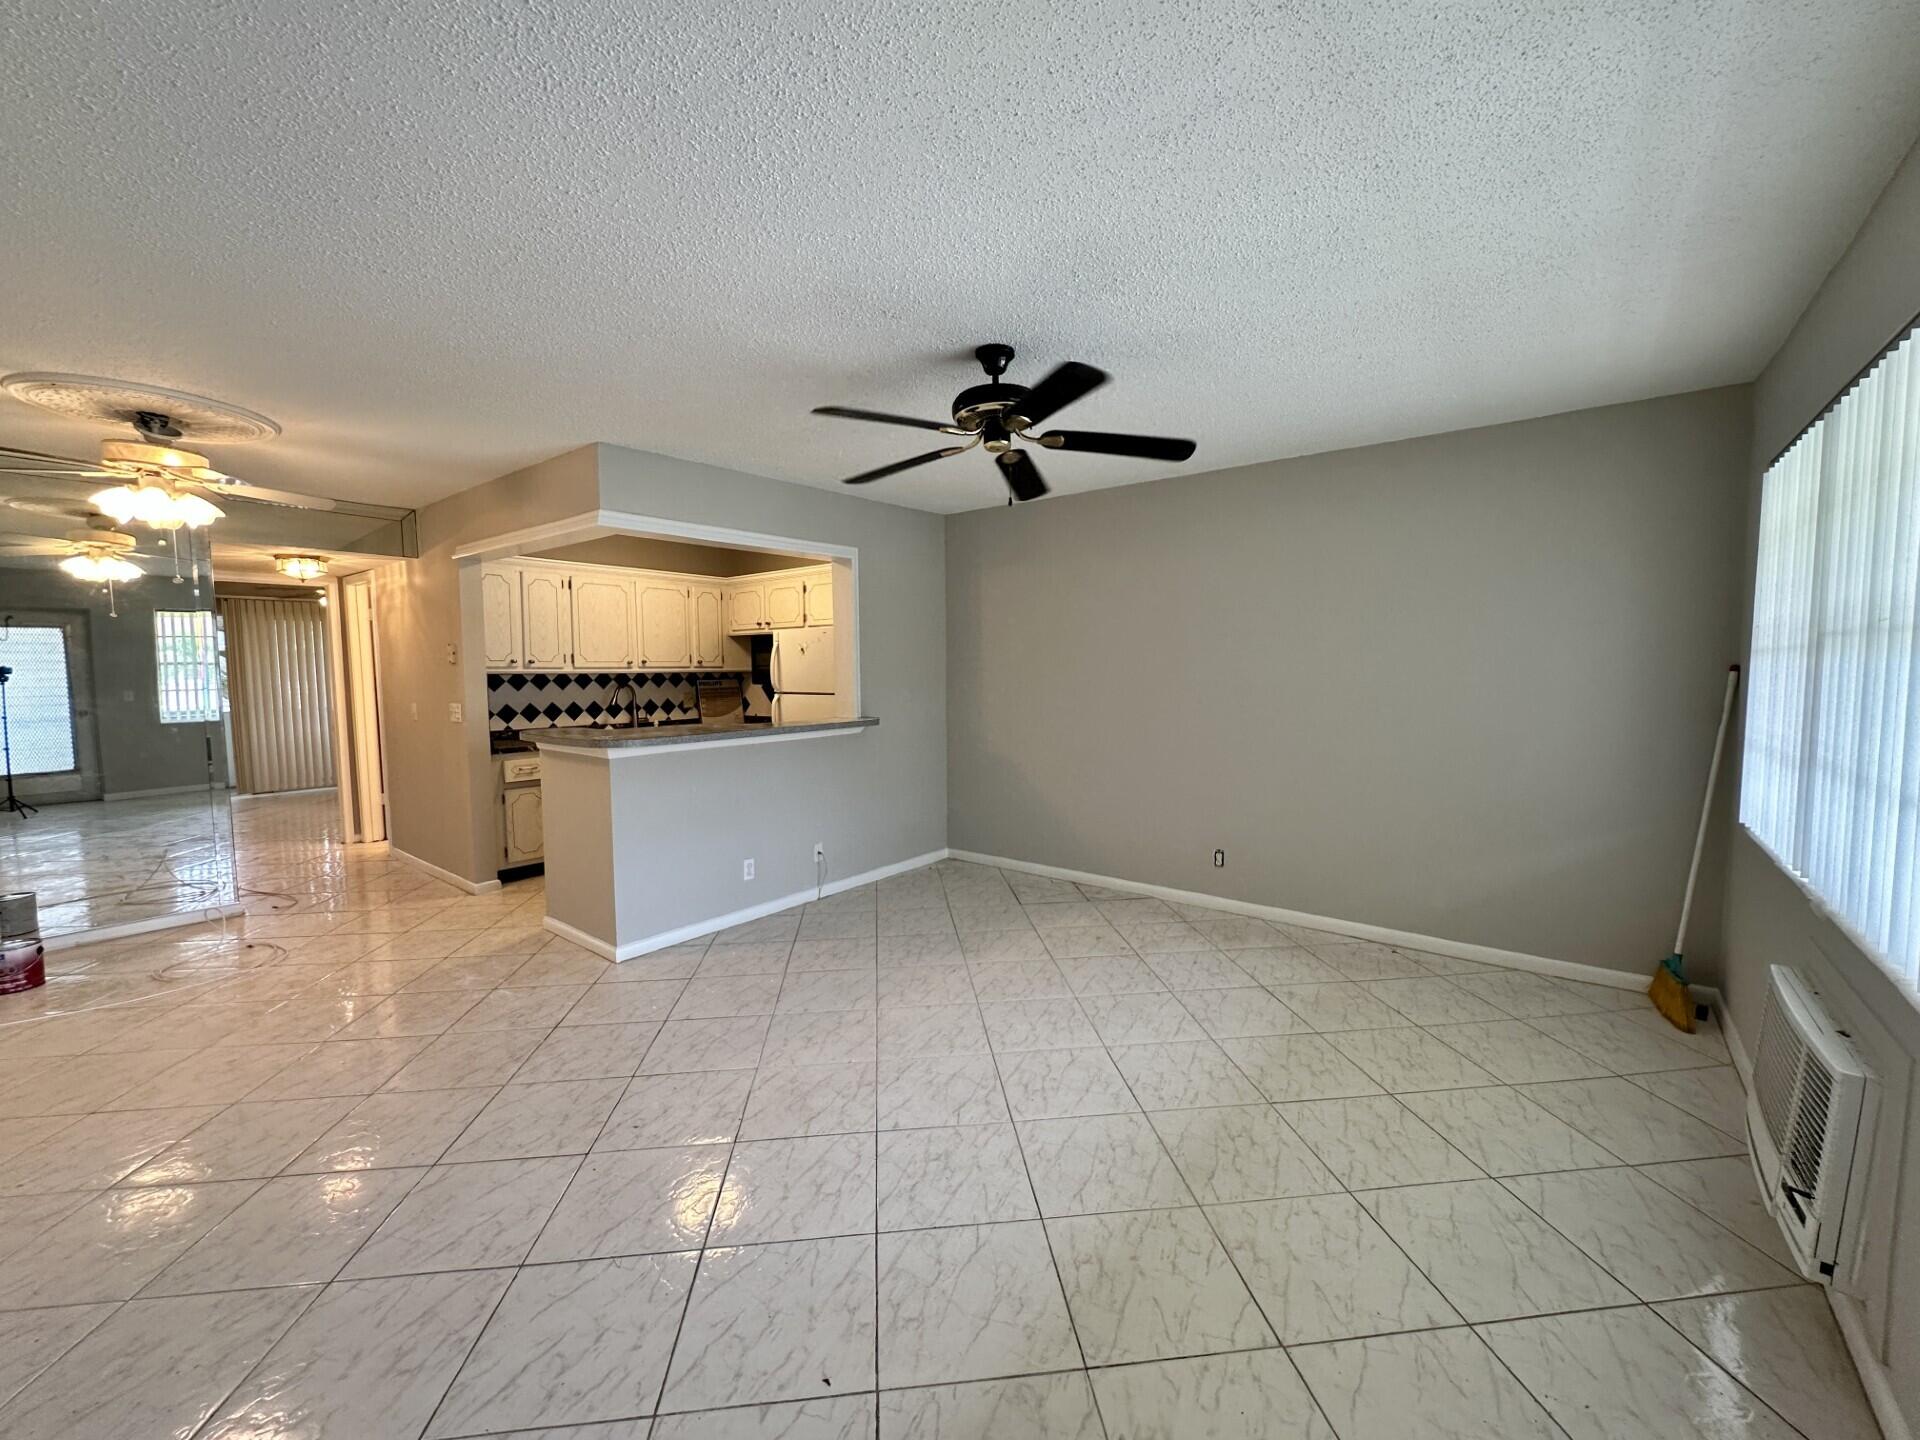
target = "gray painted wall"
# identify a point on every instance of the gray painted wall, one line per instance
(1871, 295)
(1464, 686)
(137, 752)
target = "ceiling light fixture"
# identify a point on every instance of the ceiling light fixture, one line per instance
(100, 568)
(301, 567)
(155, 503)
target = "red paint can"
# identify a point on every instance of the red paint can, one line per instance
(23, 966)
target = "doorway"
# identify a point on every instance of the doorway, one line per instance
(52, 741)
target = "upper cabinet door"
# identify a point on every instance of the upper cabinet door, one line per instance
(786, 602)
(820, 598)
(546, 611)
(666, 629)
(500, 615)
(603, 620)
(747, 608)
(709, 625)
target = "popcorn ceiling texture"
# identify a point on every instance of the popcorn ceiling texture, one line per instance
(438, 241)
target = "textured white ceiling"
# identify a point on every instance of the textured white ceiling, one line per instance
(439, 240)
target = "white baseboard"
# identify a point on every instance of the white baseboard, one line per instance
(1873, 1375)
(200, 915)
(201, 789)
(684, 933)
(472, 887)
(1432, 944)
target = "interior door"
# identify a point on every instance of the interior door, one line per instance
(51, 735)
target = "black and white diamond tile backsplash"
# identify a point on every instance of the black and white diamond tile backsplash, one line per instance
(541, 701)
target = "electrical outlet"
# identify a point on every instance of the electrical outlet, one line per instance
(453, 712)
(819, 852)
(746, 870)
(1219, 859)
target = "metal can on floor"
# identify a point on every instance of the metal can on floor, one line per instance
(23, 959)
(19, 917)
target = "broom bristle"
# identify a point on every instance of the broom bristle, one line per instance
(1670, 994)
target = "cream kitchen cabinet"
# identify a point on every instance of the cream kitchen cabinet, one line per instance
(546, 616)
(746, 607)
(605, 635)
(500, 615)
(708, 604)
(786, 602)
(666, 626)
(819, 586)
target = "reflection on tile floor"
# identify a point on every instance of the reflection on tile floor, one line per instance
(964, 1154)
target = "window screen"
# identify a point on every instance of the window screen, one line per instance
(187, 660)
(39, 702)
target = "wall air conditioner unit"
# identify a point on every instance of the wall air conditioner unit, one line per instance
(1809, 1118)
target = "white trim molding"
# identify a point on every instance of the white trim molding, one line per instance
(748, 735)
(1432, 944)
(472, 887)
(665, 938)
(596, 524)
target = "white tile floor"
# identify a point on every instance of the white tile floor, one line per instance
(961, 1155)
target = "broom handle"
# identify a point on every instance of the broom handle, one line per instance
(1706, 808)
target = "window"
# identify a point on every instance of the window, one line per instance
(39, 704)
(187, 658)
(1831, 782)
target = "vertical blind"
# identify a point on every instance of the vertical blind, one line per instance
(1831, 779)
(277, 676)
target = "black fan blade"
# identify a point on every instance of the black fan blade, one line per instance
(880, 417)
(1100, 442)
(899, 465)
(1022, 476)
(1057, 391)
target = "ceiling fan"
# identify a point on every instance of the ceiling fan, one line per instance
(96, 555)
(162, 484)
(997, 416)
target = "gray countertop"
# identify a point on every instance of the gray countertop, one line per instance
(648, 737)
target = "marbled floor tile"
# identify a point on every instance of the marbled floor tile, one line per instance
(1365, 960)
(1047, 1084)
(1236, 932)
(570, 1344)
(369, 1359)
(696, 1108)
(784, 926)
(1622, 1046)
(294, 1231)
(1635, 1124)
(919, 1031)
(1342, 1006)
(393, 1130)
(464, 1217)
(1650, 1240)
(1234, 1013)
(1504, 1133)
(1194, 969)
(923, 985)
(996, 945)
(956, 1175)
(635, 1202)
(1018, 980)
(1785, 1347)
(428, 1012)
(1527, 996)
(715, 997)
(150, 1080)
(751, 958)
(777, 1322)
(1037, 1025)
(25, 1218)
(1255, 1395)
(31, 1340)
(848, 1417)
(1152, 1285)
(556, 1117)
(1143, 1017)
(1068, 914)
(588, 1052)
(940, 1090)
(1515, 1053)
(1094, 1163)
(919, 938)
(846, 1037)
(1725, 1189)
(676, 962)
(1298, 1067)
(468, 1061)
(341, 1067)
(1490, 1256)
(1627, 1375)
(1183, 1076)
(96, 1150)
(971, 1302)
(811, 991)
(1240, 1152)
(1286, 965)
(156, 1368)
(557, 966)
(1373, 1140)
(733, 1043)
(789, 1101)
(849, 952)
(632, 1002)
(244, 1141)
(1430, 1385)
(1322, 1269)
(538, 1007)
(1713, 1095)
(1407, 1058)
(1109, 975)
(115, 1243)
(801, 1189)
(1034, 1407)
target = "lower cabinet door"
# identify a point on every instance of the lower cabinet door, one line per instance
(526, 841)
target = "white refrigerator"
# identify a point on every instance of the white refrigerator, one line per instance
(802, 675)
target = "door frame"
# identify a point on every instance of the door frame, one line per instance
(83, 782)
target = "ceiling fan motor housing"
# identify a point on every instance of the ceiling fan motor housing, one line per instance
(973, 406)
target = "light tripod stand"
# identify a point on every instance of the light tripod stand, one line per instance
(13, 804)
